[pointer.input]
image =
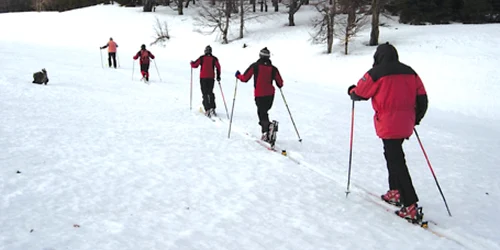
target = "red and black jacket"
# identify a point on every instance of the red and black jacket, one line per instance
(397, 92)
(208, 62)
(144, 56)
(263, 73)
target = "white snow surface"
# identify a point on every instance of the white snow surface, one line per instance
(99, 160)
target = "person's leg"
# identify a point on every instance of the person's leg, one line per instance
(113, 57)
(264, 104)
(144, 70)
(205, 93)
(210, 88)
(109, 60)
(400, 174)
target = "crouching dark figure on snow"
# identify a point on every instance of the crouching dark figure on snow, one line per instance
(41, 77)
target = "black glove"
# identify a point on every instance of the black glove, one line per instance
(417, 120)
(350, 88)
(218, 78)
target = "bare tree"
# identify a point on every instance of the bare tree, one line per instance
(246, 14)
(351, 24)
(324, 25)
(161, 32)
(377, 5)
(216, 17)
(242, 17)
(293, 7)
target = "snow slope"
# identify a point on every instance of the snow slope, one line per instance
(99, 160)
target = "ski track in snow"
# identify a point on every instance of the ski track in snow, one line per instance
(108, 162)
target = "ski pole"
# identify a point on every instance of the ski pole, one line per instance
(118, 60)
(350, 151)
(133, 67)
(102, 64)
(286, 104)
(157, 70)
(224, 100)
(432, 171)
(232, 109)
(191, 91)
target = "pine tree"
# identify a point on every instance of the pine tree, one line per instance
(476, 11)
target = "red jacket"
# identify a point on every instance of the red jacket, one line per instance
(397, 92)
(263, 73)
(208, 63)
(144, 55)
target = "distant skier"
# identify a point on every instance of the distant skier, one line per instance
(400, 102)
(207, 73)
(40, 77)
(111, 45)
(264, 73)
(144, 61)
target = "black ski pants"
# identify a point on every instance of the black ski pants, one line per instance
(264, 104)
(145, 70)
(207, 91)
(399, 176)
(112, 56)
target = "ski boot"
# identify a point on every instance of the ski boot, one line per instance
(265, 137)
(413, 214)
(392, 197)
(212, 113)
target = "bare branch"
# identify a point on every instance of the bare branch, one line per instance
(161, 32)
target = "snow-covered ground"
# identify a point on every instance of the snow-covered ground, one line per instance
(99, 160)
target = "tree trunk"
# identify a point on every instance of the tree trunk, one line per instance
(226, 27)
(294, 7)
(291, 12)
(351, 19)
(148, 6)
(291, 19)
(375, 22)
(329, 28)
(180, 9)
(263, 5)
(242, 18)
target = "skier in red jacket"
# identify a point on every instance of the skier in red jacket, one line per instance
(144, 56)
(208, 62)
(264, 73)
(400, 102)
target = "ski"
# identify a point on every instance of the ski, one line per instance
(377, 197)
(424, 224)
(390, 208)
(275, 149)
(213, 118)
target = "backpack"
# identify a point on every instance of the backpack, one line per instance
(144, 56)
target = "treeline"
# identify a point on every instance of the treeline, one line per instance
(46, 5)
(410, 11)
(445, 11)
